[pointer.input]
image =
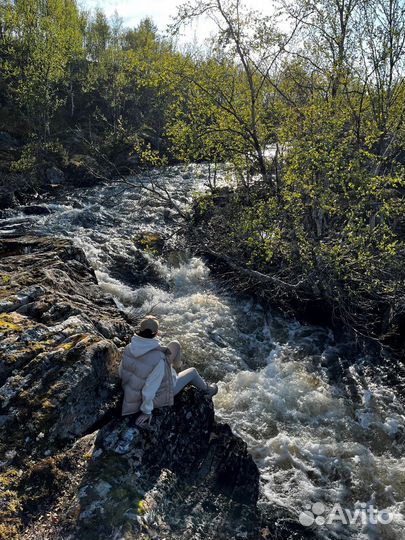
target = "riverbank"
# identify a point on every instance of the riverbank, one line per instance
(256, 249)
(302, 282)
(70, 464)
(29, 173)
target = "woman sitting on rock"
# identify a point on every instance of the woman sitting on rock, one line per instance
(148, 375)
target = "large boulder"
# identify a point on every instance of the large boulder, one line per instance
(10, 184)
(135, 268)
(35, 210)
(183, 477)
(83, 170)
(60, 343)
(7, 198)
(55, 175)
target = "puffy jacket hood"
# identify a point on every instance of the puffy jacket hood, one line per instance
(141, 346)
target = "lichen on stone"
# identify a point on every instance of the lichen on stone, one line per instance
(8, 324)
(5, 279)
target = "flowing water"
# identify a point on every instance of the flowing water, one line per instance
(322, 431)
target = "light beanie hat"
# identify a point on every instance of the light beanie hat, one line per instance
(149, 323)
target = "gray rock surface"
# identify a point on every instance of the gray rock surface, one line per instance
(183, 477)
(55, 176)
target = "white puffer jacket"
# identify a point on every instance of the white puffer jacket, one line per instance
(146, 376)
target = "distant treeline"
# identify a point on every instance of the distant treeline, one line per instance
(69, 75)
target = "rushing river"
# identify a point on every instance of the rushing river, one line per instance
(318, 437)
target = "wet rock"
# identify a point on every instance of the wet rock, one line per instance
(15, 188)
(134, 268)
(169, 215)
(83, 170)
(55, 176)
(35, 210)
(7, 199)
(9, 183)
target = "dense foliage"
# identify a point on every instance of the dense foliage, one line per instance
(309, 109)
(69, 76)
(318, 111)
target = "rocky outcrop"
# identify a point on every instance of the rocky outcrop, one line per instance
(54, 175)
(182, 477)
(70, 467)
(84, 170)
(51, 170)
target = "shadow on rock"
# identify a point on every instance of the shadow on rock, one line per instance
(185, 476)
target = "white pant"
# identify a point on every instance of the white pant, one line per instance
(187, 376)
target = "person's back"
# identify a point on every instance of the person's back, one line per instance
(139, 360)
